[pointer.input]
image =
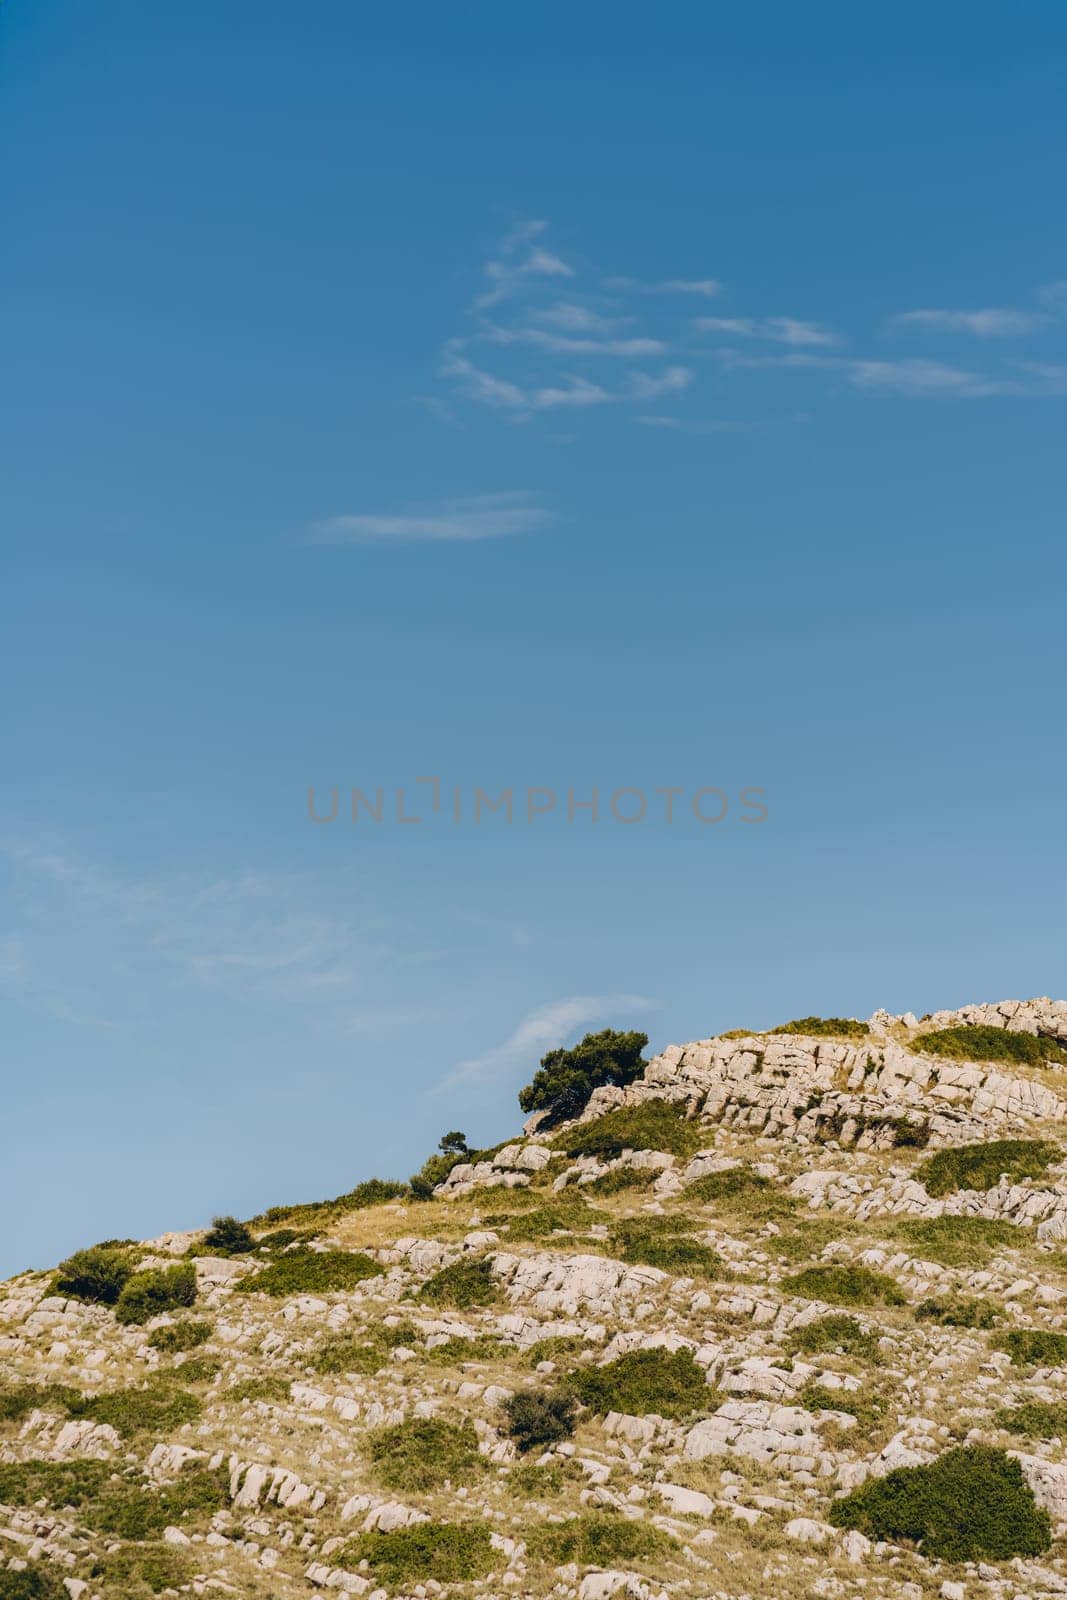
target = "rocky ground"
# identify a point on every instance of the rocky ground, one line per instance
(825, 1296)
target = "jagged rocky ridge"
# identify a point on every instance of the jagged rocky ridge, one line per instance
(793, 1192)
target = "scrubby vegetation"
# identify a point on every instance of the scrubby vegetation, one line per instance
(146, 1294)
(825, 1027)
(661, 1382)
(17, 1400)
(535, 1418)
(845, 1286)
(621, 1179)
(39, 1580)
(364, 1353)
(228, 1237)
(268, 1389)
(98, 1274)
(958, 1241)
(462, 1285)
(565, 1079)
(567, 1214)
(983, 1043)
(156, 1407)
(742, 1192)
(123, 1504)
(311, 1272)
(1033, 1347)
(179, 1336)
(1035, 1419)
(372, 1192)
(441, 1552)
(601, 1539)
(142, 1569)
(661, 1242)
(969, 1504)
(421, 1453)
(836, 1332)
(653, 1125)
(957, 1311)
(981, 1166)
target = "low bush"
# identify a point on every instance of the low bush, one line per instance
(972, 1503)
(598, 1539)
(742, 1191)
(454, 1352)
(18, 1400)
(845, 1286)
(364, 1353)
(178, 1336)
(60, 1483)
(131, 1508)
(957, 1311)
(421, 1453)
(311, 1272)
(534, 1418)
(558, 1347)
(97, 1275)
(866, 1405)
(146, 1294)
(569, 1214)
(823, 1027)
(621, 1179)
(159, 1407)
(1034, 1419)
(141, 1569)
(228, 1237)
(834, 1333)
(657, 1242)
(466, 1283)
(652, 1125)
(982, 1043)
(40, 1580)
(444, 1552)
(661, 1382)
(197, 1369)
(981, 1166)
(267, 1389)
(1033, 1347)
(371, 1192)
(959, 1241)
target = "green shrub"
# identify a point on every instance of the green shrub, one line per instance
(656, 1242)
(565, 1079)
(372, 1192)
(832, 1333)
(178, 1336)
(958, 1241)
(364, 1353)
(661, 1382)
(621, 1179)
(980, 1166)
(268, 1389)
(198, 1369)
(652, 1125)
(159, 1289)
(422, 1452)
(970, 1504)
(466, 1283)
(159, 1407)
(821, 1027)
(435, 1169)
(536, 1417)
(599, 1539)
(131, 1508)
(866, 1405)
(228, 1237)
(18, 1400)
(142, 1569)
(446, 1552)
(557, 1347)
(1034, 1419)
(311, 1272)
(568, 1214)
(981, 1043)
(957, 1311)
(845, 1286)
(453, 1352)
(61, 1483)
(741, 1190)
(97, 1275)
(1033, 1347)
(38, 1581)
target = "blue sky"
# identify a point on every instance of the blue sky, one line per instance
(540, 399)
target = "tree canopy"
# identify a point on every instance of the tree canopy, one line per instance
(566, 1078)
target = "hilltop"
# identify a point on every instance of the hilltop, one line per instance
(773, 1314)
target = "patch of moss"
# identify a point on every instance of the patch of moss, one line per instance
(972, 1503)
(661, 1382)
(981, 1166)
(845, 1286)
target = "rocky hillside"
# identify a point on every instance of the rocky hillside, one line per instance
(786, 1316)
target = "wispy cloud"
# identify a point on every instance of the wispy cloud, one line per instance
(569, 344)
(487, 516)
(545, 1029)
(991, 323)
(694, 425)
(781, 330)
(519, 261)
(930, 378)
(705, 287)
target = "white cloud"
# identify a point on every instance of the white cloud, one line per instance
(990, 323)
(573, 318)
(925, 378)
(521, 262)
(684, 425)
(707, 287)
(460, 521)
(572, 392)
(568, 345)
(545, 1029)
(781, 330)
(645, 386)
